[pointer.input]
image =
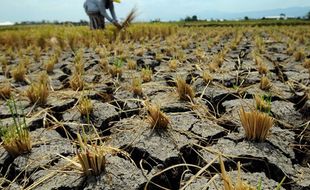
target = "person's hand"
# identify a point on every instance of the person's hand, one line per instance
(117, 24)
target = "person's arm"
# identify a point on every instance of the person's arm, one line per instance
(103, 11)
(113, 11)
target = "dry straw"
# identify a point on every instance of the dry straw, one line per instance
(5, 91)
(256, 124)
(184, 90)
(38, 92)
(157, 118)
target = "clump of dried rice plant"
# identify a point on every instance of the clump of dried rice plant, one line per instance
(146, 74)
(38, 92)
(85, 106)
(19, 72)
(104, 65)
(173, 64)
(16, 139)
(157, 118)
(4, 64)
(139, 52)
(213, 67)
(136, 86)
(37, 54)
(265, 83)
(77, 82)
(262, 69)
(116, 70)
(256, 124)
(92, 157)
(184, 90)
(5, 90)
(228, 183)
(50, 64)
(306, 64)
(207, 77)
(131, 64)
(258, 60)
(299, 55)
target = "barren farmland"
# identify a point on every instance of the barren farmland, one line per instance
(155, 107)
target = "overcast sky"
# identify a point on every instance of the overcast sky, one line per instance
(72, 10)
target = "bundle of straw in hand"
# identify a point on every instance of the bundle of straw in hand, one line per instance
(129, 19)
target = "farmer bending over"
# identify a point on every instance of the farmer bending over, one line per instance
(96, 10)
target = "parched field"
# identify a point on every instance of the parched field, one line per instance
(155, 107)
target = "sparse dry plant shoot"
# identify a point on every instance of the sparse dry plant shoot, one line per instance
(262, 104)
(184, 90)
(228, 183)
(256, 124)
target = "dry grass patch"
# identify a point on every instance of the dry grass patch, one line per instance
(157, 118)
(37, 54)
(146, 74)
(173, 64)
(136, 86)
(5, 90)
(184, 90)
(50, 64)
(19, 72)
(116, 70)
(92, 157)
(85, 106)
(38, 92)
(299, 55)
(77, 82)
(16, 139)
(306, 64)
(258, 60)
(104, 65)
(256, 124)
(207, 77)
(265, 83)
(132, 64)
(262, 69)
(4, 64)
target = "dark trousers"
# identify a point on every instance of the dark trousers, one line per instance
(97, 21)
